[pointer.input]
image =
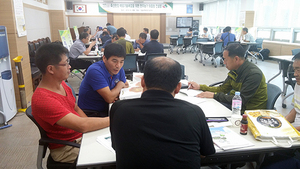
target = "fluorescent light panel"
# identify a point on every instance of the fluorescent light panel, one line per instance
(124, 1)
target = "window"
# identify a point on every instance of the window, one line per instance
(297, 37)
(282, 35)
(264, 33)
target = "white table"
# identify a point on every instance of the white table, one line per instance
(93, 153)
(200, 45)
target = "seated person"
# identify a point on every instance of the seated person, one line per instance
(206, 34)
(103, 82)
(54, 106)
(139, 44)
(98, 33)
(153, 46)
(146, 31)
(218, 37)
(294, 115)
(244, 77)
(227, 36)
(248, 36)
(156, 130)
(112, 40)
(105, 36)
(126, 44)
(189, 33)
(79, 48)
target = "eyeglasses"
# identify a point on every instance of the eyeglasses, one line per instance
(297, 70)
(65, 64)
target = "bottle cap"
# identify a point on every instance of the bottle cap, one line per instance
(237, 93)
(245, 116)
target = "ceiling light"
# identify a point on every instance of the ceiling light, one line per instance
(124, 1)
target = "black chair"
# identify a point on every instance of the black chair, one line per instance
(217, 52)
(291, 81)
(48, 40)
(273, 93)
(295, 51)
(183, 76)
(31, 53)
(130, 65)
(153, 55)
(36, 45)
(187, 42)
(80, 65)
(43, 144)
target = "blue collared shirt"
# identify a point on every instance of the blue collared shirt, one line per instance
(97, 77)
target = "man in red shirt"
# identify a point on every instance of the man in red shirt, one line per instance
(53, 104)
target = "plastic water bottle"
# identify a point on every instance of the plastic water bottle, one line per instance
(236, 110)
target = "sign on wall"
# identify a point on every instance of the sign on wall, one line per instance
(19, 18)
(135, 7)
(66, 38)
(79, 8)
(189, 9)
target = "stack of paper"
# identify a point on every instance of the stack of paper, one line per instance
(227, 139)
(134, 91)
(190, 92)
(105, 140)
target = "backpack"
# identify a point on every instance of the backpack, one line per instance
(265, 53)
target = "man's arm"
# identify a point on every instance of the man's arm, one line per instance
(291, 116)
(88, 50)
(110, 95)
(79, 111)
(83, 124)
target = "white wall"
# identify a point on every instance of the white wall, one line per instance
(180, 10)
(37, 21)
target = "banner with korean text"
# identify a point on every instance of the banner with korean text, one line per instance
(135, 7)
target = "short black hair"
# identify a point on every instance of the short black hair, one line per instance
(114, 49)
(190, 29)
(115, 36)
(245, 29)
(224, 30)
(205, 29)
(146, 30)
(162, 73)
(108, 24)
(227, 29)
(83, 35)
(85, 29)
(49, 54)
(297, 56)
(121, 32)
(154, 34)
(104, 33)
(143, 35)
(235, 49)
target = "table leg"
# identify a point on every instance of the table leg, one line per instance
(280, 70)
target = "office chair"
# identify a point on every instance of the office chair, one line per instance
(273, 93)
(198, 47)
(130, 65)
(194, 44)
(256, 49)
(173, 42)
(217, 52)
(48, 40)
(41, 42)
(291, 81)
(295, 51)
(153, 55)
(31, 53)
(43, 144)
(80, 65)
(183, 76)
(186, 44)
(179, 44)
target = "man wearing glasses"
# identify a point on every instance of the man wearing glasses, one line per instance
(54, 106)
(294, 115)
